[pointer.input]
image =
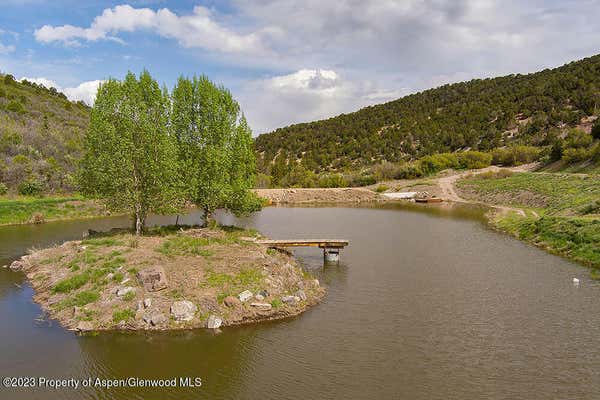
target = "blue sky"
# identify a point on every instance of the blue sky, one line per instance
(289, 61)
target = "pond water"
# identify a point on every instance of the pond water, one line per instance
(426, 303)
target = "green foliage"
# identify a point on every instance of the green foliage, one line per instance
(20, 210)
(123, 315)
(596, 129)
(474, 159)
(130, 158)
(31, 187)
(129, 296)
(72, 283)
(381, 188)
(515, 155)
(332, 181)
(3, 189)
(186, 245)
(85, 297)
(481, 114)
(15, 106)
(216, 154)
(276, 303)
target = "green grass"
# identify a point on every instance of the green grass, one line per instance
(232, 284)
(102, 242)
(19, 210)
(569, 224)
(276, 303)
(123, 315)
(185, 246)
(129, 296)
(564, 193)
(573, 237)
(72, 283)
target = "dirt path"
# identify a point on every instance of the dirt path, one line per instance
(447, 185)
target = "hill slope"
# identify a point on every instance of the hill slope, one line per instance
(480, 114)
(41, 135)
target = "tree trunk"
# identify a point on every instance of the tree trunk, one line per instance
(207, 217)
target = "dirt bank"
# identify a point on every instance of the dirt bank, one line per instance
(326, 195)
(168, 280)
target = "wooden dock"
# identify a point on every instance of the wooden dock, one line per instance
(331, 247)
(322, 243)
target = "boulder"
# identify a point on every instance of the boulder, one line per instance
(123, 291)
(259, 297)
(291, 300)
(155, 318)
(16, 265)
(264, 293)
(262, 306)
(245, 296)
(153, 278)
(231, 301)
(147, 302)
(183, 310)
(301, 295)
(214, 322)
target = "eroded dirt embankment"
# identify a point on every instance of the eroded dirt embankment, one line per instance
(324, 195)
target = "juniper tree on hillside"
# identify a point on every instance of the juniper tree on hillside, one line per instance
(130, 159)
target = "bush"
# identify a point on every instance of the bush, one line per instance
(515, 155)
(332, 181)
(575, 155)
(576, 138)
(15, 106)
(381, 188)
(384, 171)
(474, 160)
(596, 129)
(30, 187)
(361, 180)
(438, 162)
(409, 171)
(263, 181)
(3, 189)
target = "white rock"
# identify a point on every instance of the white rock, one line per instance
(245, 296)
(124, 281)
(123, 291)
(576, 281)
(214, 322)
(301, 295)
(262, 306)
(183, 310)
(289, 300)
(259, 297)
(147, 302)
(155, 318)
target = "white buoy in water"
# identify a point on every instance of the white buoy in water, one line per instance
(575, 281)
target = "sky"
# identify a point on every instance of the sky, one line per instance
(291, 61)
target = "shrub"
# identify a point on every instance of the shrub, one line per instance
(72, 283)
(409, 171)
(575, 155)
(438, 162)
(474, 159)
(15, 106)
(384, 171)
(30, 187)
(596, 129)
(576, 138)
(3, 189)
(361, 180)
(263, 181)
(515, 155)
(381, 188)
(123, 315)
(332, 181)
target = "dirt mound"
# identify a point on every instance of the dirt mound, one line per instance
(326, 195)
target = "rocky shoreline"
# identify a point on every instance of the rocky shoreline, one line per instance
(197, 278)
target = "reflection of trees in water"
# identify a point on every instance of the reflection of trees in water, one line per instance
(221, 360)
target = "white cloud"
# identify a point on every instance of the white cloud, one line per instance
(86, 91)
(198, 29)
(6, 49)
(306, 95)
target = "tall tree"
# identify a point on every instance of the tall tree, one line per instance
(130, 159)
(215, 147)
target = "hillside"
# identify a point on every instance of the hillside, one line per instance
(481, 114)
(41, 135)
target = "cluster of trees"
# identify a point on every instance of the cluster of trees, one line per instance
(148, 150)
(482, 114)
(41, 136)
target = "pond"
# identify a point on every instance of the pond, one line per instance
(426, 303)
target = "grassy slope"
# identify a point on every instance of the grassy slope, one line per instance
(568, 225)
(21, 210)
